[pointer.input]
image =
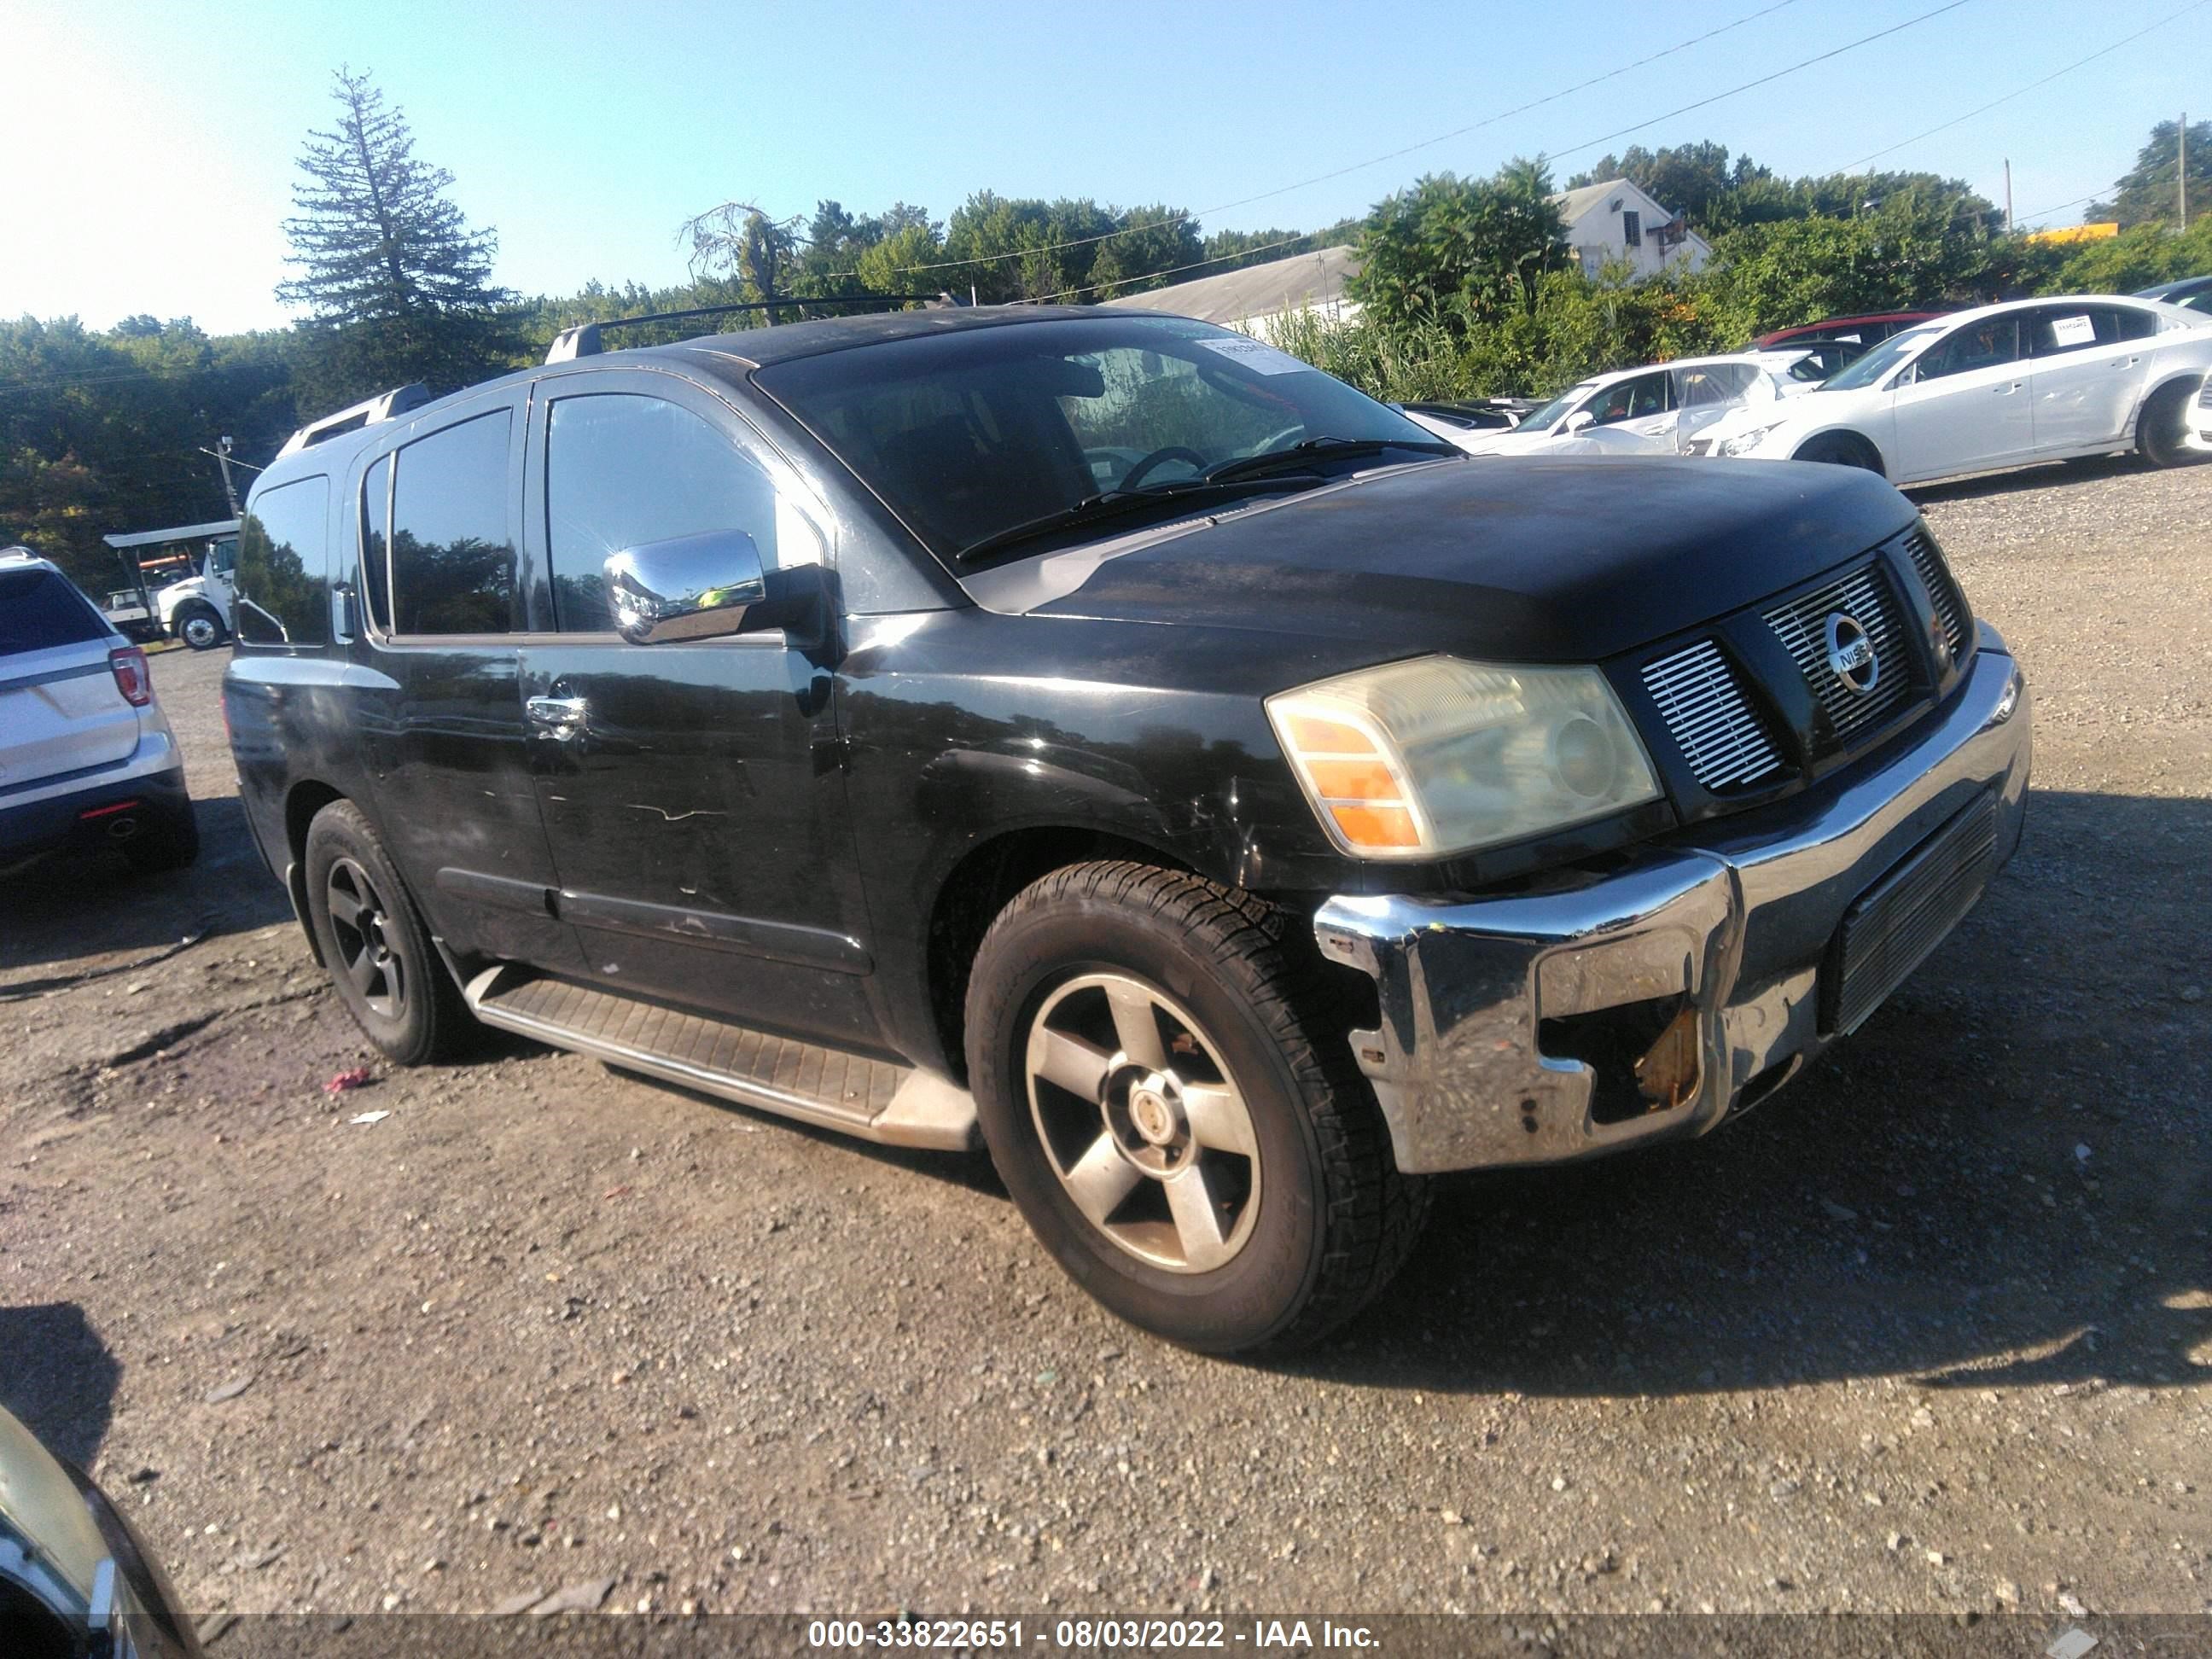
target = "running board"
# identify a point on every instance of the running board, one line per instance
(895, 1105)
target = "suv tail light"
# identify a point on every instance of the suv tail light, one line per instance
(132, 678)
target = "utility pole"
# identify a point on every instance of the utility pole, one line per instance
(2008, 195)
(2181, 167)
(222, 459)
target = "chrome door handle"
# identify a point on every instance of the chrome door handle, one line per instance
(562, 717)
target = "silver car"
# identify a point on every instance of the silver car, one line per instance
(87, 758)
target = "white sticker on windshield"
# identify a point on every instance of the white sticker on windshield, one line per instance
(2072, 331)
(1259, 358)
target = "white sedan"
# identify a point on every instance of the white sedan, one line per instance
(1651, 411)
(2001, 386)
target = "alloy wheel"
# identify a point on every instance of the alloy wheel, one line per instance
(1142, 1123)
(368, 939)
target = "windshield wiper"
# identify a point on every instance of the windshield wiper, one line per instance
(1114, 503)
(1321, 448)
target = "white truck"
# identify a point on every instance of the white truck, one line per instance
(196, 606)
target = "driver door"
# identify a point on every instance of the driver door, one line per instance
(692, 791)
(1965, 404)
(1639, 413)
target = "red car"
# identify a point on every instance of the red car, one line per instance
(1861, 331)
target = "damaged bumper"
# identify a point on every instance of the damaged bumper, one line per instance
(1646, 1005)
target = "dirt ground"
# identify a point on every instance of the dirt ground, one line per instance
(1930, 1331)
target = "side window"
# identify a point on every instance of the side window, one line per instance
(622, 469)
(1632, 399)
(2130, 324)
(283, 559)
(1986, 345)
(225, 559)
(2053, 331)
(453, 566)
(375, 543)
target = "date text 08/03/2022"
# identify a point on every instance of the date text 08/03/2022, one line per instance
(1283, 1635)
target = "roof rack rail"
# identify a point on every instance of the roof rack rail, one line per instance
(385, 406)
(583, 340)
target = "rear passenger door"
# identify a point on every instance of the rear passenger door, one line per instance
(693, 790)
(2087, 364)
(441, 712)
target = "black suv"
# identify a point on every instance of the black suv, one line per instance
(1105, 734)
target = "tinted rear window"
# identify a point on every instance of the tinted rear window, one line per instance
(39, 609)
(453, 566)
(282, 563)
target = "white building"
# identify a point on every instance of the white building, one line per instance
(1615, 222)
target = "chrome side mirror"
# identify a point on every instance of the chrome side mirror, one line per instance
(688, 587)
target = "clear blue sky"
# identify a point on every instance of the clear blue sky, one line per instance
(585, 133)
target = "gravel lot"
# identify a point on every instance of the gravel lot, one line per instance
(1931, 1331)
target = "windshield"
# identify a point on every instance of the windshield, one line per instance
(1556, 410)
(1879, 361)
(967, 434)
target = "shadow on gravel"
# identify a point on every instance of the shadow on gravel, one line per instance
(2042, 476)
(2005, 1178)
(58, 1377)
(88, 904)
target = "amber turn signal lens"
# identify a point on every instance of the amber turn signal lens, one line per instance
(1308, 734)
(1376, 826)
(1353, 779)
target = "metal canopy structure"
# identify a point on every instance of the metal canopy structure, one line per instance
(183, 532)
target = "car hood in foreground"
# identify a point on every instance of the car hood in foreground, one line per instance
(1531, 559)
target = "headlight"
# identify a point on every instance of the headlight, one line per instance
(1422, 759)
(1743, 443)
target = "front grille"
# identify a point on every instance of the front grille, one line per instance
(1696, 695)
(1898, 921)
(1801, 626)
(1950, 604)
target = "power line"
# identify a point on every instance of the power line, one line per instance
(2196, 5)
(1591, 143)
(1837, 51)
(1372, 160)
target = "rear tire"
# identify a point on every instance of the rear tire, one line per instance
(1841, 449)
(379, 955)
(1231, 1189)
(2162, 428)
(198, 626)
(168, 843)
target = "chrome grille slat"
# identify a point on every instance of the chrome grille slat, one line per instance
(1800, 626)
(1950, 605)
(1696, 693)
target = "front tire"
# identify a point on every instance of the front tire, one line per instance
(199, 627)
(375, 945)
(1176, 1114)
(2162, 429)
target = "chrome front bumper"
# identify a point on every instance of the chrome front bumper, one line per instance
(1728, 928)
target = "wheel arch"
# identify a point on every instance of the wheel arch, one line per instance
(1845, 434)
(981, 883)
(302, 802)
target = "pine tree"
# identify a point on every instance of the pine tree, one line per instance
(398, 286)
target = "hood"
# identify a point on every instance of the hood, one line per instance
(1535, 559)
